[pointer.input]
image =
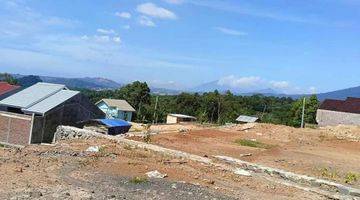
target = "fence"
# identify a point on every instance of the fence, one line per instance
(15, 128)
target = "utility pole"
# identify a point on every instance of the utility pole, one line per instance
(156, 103)
(262, 115)
(303, 113)
(218, 120)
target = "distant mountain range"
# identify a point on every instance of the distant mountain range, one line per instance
(86, 83)
(102, 84)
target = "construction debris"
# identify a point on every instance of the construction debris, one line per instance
(241, 172)
(93, 149)
(156, 174)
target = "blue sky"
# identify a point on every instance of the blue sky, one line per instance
(290, 46)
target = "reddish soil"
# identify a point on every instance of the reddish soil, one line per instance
(311, 152)
(66, 171)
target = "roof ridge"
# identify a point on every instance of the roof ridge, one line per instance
(45, 97)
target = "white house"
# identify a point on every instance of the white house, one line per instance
(178, 118)
(116, 109)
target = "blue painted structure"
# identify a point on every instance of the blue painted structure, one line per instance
(116, 109)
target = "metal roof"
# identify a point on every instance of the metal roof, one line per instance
(350, 105)
(182, 116)
(32, 95)
(248, 119)
(51, 102)
(114, 122)
(119, 104)
(6, 87)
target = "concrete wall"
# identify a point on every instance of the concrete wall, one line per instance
(15, 129)
(171, 119)
(70, 113)
(333, 118)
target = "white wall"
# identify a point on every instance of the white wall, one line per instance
(332, 118)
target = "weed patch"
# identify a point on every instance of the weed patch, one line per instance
(255, 144)
(139, 180)
(329, 173)
(351, 177)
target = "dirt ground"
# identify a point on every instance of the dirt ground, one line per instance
(67, 171)
(314, 152)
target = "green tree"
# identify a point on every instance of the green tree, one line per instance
(311, 106)
(9, 79)
(138, 95)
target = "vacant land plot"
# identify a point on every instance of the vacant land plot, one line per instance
(67, 171)
(314, 152)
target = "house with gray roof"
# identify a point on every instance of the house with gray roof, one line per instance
(116, 109)
(49, 106)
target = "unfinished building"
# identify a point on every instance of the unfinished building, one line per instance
(33, 114)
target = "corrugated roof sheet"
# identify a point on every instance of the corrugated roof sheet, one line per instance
(51, 102)
(182, 116)
(6, 87)
(32, 95)
(119, 104)
(248, 119)
(350, 105)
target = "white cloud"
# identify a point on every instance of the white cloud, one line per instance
(153, 10)
(256, 83)
(230, 31)
(175, 1)
(125, 15)
(146, 21)
(101, 38)
(127, 27)
(117, 39)
(106, 31)
(239, 82)
(279, 84)
(312, 90)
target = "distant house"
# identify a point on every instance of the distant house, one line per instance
(334, 112)
(179, 118)
(116, 109)
(6, 90)
(246, 119)
(33, 114)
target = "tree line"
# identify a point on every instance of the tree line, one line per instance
(210, 107)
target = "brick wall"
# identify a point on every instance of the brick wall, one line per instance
(14, 128)
(333, 118)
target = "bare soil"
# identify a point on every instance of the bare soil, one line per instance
(314, 152)
(67, 171)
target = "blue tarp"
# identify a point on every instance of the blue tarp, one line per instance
(114, 122)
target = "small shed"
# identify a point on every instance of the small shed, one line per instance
(116, 109)
(179, 118)
(246, 119)
(108, 126)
